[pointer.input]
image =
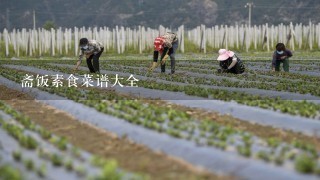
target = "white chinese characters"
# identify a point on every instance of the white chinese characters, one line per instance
(86, 80)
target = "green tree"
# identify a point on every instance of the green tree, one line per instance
(48, 25)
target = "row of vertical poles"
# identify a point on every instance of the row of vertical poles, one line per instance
(262, 37)
(34, 42)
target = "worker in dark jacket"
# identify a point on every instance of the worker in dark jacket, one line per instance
(281, 55)
(229, 62)
(165, 45)
(92, 49)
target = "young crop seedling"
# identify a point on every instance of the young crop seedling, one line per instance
(80, 170)
(42, 153)
(44, 133)
(279, 160)
(69, 165)
(244, 150)
(42, 171)
(222, 145)
(75, 152)
(26, 141)
(305, 164)
(29, 142)
(264, 156)
(29, 164)
(8, 172)
(272, 142)
(16, 155)
(62, 144)
(109, 171)
(56, 160)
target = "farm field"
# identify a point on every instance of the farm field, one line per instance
(195, 124)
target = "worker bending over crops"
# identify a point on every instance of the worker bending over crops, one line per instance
(281, 55)
(92, 49)
(229, 62)
(165, 45)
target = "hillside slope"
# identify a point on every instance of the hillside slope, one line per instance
(154, 12)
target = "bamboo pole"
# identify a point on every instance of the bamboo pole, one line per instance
(6, 40)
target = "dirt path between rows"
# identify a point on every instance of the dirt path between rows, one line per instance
(130, 156)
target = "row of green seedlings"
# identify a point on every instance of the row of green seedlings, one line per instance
(181, 125)
(298, 79)
(286, 86)
(305, 162)
(206, 60)
(30, 143)
(294, 68)
(147, 64)
(257, 81)
(108, 167)
(208, 69)
(294, 63)
(225, 81)
(302, 108)
(203, 58)
(295, 76)
(205, 64)
(281, 86)
(9, 172)
(253, 75)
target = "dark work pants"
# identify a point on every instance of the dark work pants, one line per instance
(171, 53)
(238, 68)
(93, 62)
(285, 63)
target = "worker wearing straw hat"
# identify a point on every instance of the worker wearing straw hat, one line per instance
(92, 49)
(229, 62)
(165, 45)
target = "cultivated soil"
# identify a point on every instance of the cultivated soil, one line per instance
(130, 156)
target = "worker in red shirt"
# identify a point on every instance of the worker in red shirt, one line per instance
(165, 45)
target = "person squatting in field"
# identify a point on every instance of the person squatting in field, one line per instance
(165, 45)
(281, 55)
(92, 49)
(229, 62)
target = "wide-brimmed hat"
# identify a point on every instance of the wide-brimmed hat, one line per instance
(224, 54)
